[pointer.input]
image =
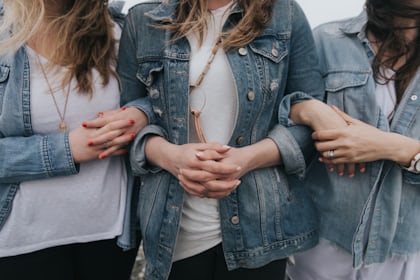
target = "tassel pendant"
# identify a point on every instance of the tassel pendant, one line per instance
(62, 126)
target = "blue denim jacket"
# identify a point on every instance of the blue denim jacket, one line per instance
(25, 156)
(376, 214)
(264, 218)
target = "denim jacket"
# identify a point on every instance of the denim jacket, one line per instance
(264, 218)
(26, 156)
(376, 214)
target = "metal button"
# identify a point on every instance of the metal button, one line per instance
(240, 140)
(235, 220)
(413, 97)
(242, 51)
(251, 96)
(275, 52)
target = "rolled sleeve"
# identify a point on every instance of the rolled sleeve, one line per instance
(138, 160)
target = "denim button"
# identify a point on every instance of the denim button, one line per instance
(275, 52)
(240, 140)
(251, 96)
(413, 97)
(235, 220)
(242, 51)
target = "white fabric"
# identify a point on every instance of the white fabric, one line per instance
(328, 262)
(85, 207)
(386, 95)
(217, 99)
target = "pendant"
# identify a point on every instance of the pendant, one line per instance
(62, 126)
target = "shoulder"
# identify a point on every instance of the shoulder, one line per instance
(115, 8)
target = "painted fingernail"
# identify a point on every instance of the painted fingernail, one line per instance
(123, 108)
(84, 124)
(131, 121)
(199, 154)
(362, 170)
(132, 136)
(100, 114)
(102, 156)
(351, 175)
(340, 174)
(90, 143)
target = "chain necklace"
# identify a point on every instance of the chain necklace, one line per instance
(62, 124)
(195, 112)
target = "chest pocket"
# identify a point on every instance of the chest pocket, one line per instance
(269, 51)
(4, 75)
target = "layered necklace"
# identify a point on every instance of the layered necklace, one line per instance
(62, 126)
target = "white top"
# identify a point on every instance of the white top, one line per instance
(217, 99)
(85, 207)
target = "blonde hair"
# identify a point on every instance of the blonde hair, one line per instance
(85, 36)
(191, 17)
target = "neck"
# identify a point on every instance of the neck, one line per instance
(215, 4)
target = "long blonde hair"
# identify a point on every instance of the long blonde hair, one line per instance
(85, 37)
(191, 17)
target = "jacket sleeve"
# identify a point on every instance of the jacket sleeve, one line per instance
(133, 92)
(304, 82)
(35, 157)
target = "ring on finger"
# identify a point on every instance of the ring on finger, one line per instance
(100, 114)
(330, 154)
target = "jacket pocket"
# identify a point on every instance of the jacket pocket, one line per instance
(147, 72)
(4, 75)
(339, 80)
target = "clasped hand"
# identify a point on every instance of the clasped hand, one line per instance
(107, 135)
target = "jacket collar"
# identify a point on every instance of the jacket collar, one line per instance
(165, 11)
(355, 25)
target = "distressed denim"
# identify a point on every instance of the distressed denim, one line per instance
(266, 217)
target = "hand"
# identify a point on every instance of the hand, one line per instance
(116, 128)
(358, 142)
(197, 166)
(82, 150)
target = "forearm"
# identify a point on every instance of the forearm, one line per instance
(262, 154)
(316, 115)
(157, 150)
(398, 148)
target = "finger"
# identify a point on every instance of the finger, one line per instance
(210, 155)
(351, 169)
(191, 187)
(221, 169)
(340, 169)
(198, 175)
(113, 151)
(110, 132)
(362, 167)
(102, 118)
(221, 186)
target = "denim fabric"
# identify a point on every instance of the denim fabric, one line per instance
(25, 156)
(376, 214)
(265, 218)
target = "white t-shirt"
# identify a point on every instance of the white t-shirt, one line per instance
(85, 207)
(216, 97)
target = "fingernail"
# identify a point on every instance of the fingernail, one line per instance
(132, 136)
(351, 175)
(123, 108)
(84, 124)
(131, 121)
(320, 159)
(238, 183)
(340, 174)
(362, 170)
(199, 154)
(90, 143)
(102, 156)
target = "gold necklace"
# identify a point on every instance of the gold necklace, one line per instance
(62, 125)
(195, 112)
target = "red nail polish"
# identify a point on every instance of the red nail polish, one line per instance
(132, 136)
(90, 143)
(123, 108)
(131, 121)
(102, 157)
(84, 124)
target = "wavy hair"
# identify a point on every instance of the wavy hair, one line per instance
(191, 17)
(85, 37)
(388, 21)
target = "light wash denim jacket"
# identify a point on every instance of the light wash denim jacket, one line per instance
(25, 156)
(264, 218)
(377, 214)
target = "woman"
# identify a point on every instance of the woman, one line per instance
(369, 222)
(62, 196)
(216, 73)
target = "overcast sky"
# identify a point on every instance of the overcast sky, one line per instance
(317, 11)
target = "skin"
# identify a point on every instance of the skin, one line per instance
(104, 136)
(210, 170)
